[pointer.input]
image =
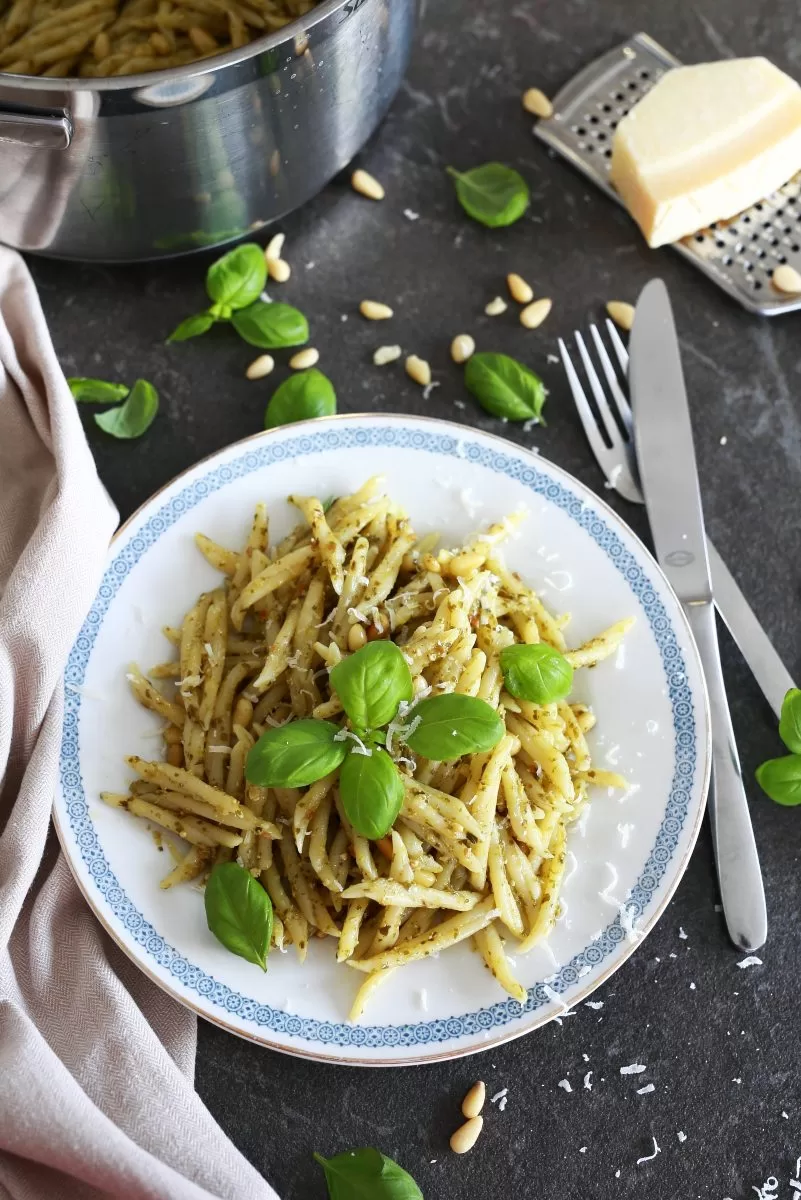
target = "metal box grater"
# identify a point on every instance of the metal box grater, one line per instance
(740, 254)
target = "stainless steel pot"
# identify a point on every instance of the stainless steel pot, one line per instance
(159, 164)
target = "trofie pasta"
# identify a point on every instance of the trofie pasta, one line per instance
(477, 850)
(98, 38)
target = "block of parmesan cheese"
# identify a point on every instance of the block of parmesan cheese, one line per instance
(705, 143)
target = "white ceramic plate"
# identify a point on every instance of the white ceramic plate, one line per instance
(625, 858)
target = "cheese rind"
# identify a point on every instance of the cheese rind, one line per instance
(705, 143)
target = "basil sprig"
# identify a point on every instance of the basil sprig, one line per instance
(96, 391)
(238, 278)
(295, 755)
(302, 396)
(372, 685)
(790, 721)
(537, 673)
(372, 792)
(493, 194)
(234, 284)
(780, 778)
(446, 727)
(271, 326)
(367, 1174)
(239, 912)
(504, 387)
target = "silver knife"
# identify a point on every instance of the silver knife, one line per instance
(669, 477)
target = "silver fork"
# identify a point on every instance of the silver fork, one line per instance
(616, 458)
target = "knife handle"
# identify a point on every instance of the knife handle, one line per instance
(739, 875)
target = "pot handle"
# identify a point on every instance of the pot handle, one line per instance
(49, 131)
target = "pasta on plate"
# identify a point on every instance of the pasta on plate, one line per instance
(477, 850)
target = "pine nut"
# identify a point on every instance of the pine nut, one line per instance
(260, 367)
(278, 270)
(474, 1100)
(203, 42)
(621, 313)
(375, 311)
(366, 185)
(101, 47)
(304, 359)
(357, 637)
(386, 354)
(519, 290)
(274, 246)
(537, 103)
(466, 1135)
(496, 307)
(243, 712)
(534, 314)
(462, 347)
(787, 279)
(175, 756)
(418, 370)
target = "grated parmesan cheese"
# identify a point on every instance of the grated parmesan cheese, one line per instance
(359, 747)
(588, 1081)
(499, 1096)
(565, 1085)
(751, 961)
(643, 1091)
(633, 1069)
(650, 1157)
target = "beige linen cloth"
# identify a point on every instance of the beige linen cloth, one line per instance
(96, 1064)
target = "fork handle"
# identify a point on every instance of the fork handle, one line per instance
(739, 876)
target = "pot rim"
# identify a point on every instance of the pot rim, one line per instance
(206, 66)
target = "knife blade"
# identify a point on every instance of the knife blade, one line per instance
(669, 477)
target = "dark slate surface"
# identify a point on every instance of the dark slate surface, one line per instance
(724, 1055)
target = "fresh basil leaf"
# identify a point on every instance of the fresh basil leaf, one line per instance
(133, 417)
(295, 755)
(239, 912)
(238, 278)
(301, 397)
(96, 391)
(271, 326)
(780, 778)
(494, 195)
(367, 1174)
(192, 327)
(328, 502)
(371, 684)
(447, 727)
(504, 387)
(537, 673)
(372, 791)
(790, 723)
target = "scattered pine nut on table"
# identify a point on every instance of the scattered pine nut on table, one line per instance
(519, 290)
(386, 354)
(366, 185)
(374, 310)
(537, 103)
(496, 307)
(278, 269)
(462, 347)
(418, 370)
(260, 367)
(535, 313)
(304, 359)
(474, 1099)
(467, 1135)
(621, 313)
